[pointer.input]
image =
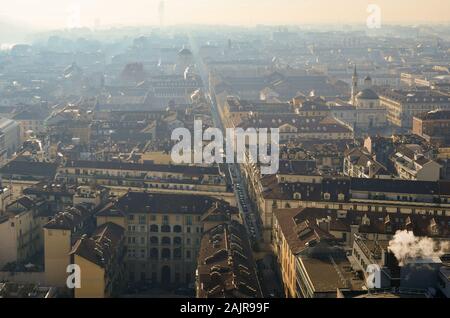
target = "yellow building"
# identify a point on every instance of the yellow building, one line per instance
(101, 262)
(20, 231)
(59, 235)
(312, 245)
(163, 233)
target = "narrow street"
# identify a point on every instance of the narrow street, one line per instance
(268, 278)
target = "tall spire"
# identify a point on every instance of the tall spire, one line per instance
(354, 85)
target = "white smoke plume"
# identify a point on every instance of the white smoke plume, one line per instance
(406, 246)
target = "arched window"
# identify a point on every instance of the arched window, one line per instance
(177, 240)
(154, 228)
(165, 240)
(154, 253)
(165, 228)
(177, 229)
(165, 253)
(154, 240)
(177, 253)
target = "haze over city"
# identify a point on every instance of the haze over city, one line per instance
(53, 14)
(228, 149)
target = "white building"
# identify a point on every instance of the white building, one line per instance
(369, 111)
(411, 164)
(9, 138)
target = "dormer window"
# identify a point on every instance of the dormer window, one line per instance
(297, 196)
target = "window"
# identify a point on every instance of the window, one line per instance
(177, 253)
(154, 253)
(177, 229)
(154, 228)
(154, 240)
(165, 228)
(165, 240)
(177, 240)
(142, 219)
(189, 220)
(165, 253)
(188, 254)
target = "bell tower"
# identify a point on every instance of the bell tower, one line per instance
(354, 85)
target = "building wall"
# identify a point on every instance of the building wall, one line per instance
(429, 172)
(56, 253)
(405, 204)
(8, 243)
(11, 131)
(286, 261)
(37, 126)
(370, 114)
(19, 238)
(92, 279)
(141, 263)
(158, 158)
(401, 113)
(112, 219)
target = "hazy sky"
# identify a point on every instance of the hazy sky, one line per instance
(62, 13)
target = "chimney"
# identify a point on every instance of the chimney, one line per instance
(324, 224)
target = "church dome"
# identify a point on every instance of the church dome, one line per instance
(367, 94)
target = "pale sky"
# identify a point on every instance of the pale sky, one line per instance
(62, 13)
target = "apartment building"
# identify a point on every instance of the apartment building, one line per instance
(358, 163)
(163, 233)
(60, 233)
(379, 195)
(403, 105)
(9, 138)
(434, 126)
(19, 175)
(226, 268)
(312, 245)
(411, 164)
(311, 263)
(20, 231)
(155, 177)
(100, 257)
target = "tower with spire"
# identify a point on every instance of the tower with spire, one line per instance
(161, 9)
(354, 85)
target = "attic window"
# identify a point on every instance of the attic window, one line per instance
(297, 196)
